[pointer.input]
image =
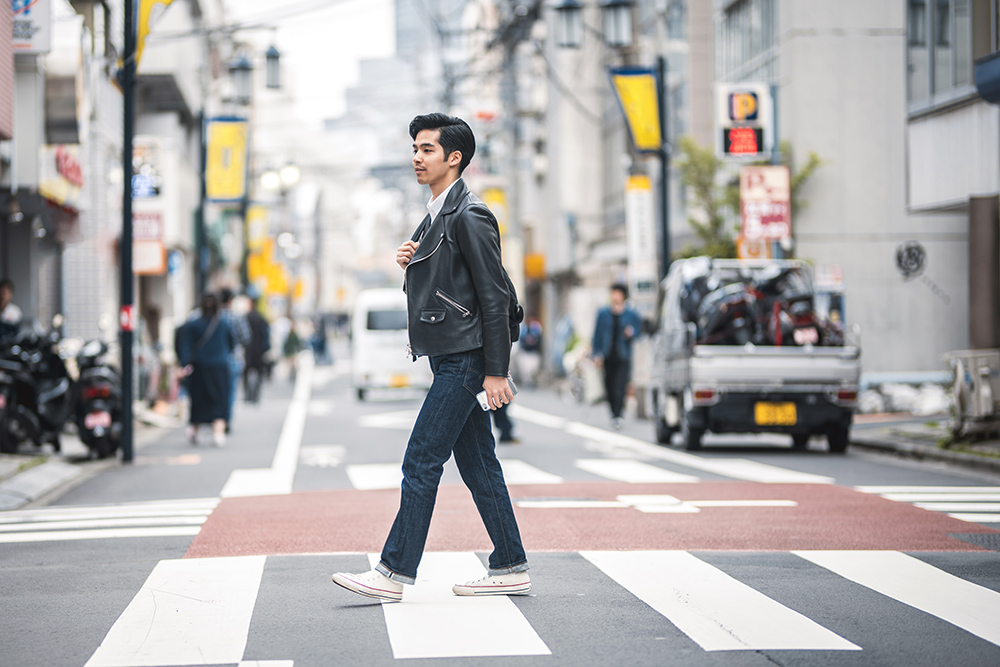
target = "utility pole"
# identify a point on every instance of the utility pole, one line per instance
(126, 315)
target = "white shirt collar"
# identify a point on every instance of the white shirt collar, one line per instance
(435, 205)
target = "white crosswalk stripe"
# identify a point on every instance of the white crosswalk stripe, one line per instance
(168, 518)
(198, 611)
(975, 504)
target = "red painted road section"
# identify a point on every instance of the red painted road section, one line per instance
(827, 517)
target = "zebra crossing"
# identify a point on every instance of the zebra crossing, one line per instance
(206, 611)
(975, 504)
(162, 518)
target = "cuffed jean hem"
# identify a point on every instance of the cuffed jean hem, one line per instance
(496, 572)
(395, 576)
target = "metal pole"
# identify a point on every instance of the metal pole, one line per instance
(661, 85)
(126, 317)
(201, 249)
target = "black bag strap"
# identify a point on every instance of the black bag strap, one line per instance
(212, 326)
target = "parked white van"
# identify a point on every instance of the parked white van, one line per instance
(378, 344)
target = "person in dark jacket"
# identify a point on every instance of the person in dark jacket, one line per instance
(206, 345)
(617, 326)
(457, 305)
(256, 353)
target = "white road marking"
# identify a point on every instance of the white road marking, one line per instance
(715, 610)
(402, 420)
(630, 470)
(570, 504)
(518, 472)
(928, 489)
(277, 480)
(960, 507)
(941, 497)
(322, 456)
(98, 534)
(976, 518)
(518, 411)
(266, 663)
(320, 408)
(193, 611)
(433, 622)
(735, 468)
(369, 476)
(105, 523)
(913, 582)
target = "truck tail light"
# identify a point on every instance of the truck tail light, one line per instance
(847, 395)
(704, 396)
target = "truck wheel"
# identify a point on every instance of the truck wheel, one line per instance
(664, 432)
(690, 436)
(800, 440)
(837, 438)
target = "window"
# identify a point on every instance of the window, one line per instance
(746, 39)
(942, 41)
(386, 320)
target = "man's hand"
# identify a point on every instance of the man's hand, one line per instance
(405, 253)
(497, 391)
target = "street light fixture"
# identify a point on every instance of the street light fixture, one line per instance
(272, 56)
(569, 24)
(241, 69)
(617, 23)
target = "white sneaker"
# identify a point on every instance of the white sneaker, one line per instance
(220, 439)
(371, 584)
(502, 584)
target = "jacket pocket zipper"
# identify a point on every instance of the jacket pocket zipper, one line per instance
(455, 304)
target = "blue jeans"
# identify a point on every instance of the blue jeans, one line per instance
(451, 421)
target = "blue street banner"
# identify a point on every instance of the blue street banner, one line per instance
(636, 90)
(226, 159)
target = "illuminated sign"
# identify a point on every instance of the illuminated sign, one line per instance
(745, 118)
(742, 141)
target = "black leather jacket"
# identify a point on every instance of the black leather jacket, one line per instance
(457, 295)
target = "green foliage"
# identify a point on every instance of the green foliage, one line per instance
(699, 168)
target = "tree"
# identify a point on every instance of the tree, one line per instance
(699, 167)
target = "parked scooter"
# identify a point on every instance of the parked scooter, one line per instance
(99, 407)
(40, 389)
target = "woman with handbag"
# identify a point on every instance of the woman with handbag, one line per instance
(206, 345)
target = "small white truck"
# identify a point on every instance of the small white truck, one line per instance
(740, 347)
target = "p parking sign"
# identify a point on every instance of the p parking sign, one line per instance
(744, 116)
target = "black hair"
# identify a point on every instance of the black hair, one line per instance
(225, 295)
(209, 305)
(7, 282)
(455, 135)
(621, 287)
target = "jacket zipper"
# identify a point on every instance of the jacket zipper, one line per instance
(420, 259)
(447, 299)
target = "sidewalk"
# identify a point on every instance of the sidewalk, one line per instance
(923, 438)
(27, 478)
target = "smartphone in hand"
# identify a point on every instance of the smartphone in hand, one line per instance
(481, 396)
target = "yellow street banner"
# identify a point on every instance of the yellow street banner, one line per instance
(149, 12)
(225, 159)
(637, 93)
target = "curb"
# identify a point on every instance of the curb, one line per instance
(911, 450)
(32, 484)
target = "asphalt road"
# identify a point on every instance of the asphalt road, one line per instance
(746, 553)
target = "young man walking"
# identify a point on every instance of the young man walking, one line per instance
(457, 306)
(617, 326)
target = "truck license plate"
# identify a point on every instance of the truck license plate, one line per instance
(774, 414)
(399, 381)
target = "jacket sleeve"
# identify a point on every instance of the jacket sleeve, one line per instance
(479, 240)
(600, 340)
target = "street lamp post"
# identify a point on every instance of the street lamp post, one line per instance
(617, 24)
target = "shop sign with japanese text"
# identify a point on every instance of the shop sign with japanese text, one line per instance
(765, 203)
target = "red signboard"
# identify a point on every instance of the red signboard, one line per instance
(742, 141)
(765, 203)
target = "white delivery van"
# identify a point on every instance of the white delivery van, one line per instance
(378, 344)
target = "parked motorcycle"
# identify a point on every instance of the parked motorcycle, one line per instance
(99, 400)
(37, 389)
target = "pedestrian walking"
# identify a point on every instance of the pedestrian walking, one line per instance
(206, 345)
(241, 335)
(617, 326)
(457, 307)
(10, 314)
(505, 425)
(255, 353)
